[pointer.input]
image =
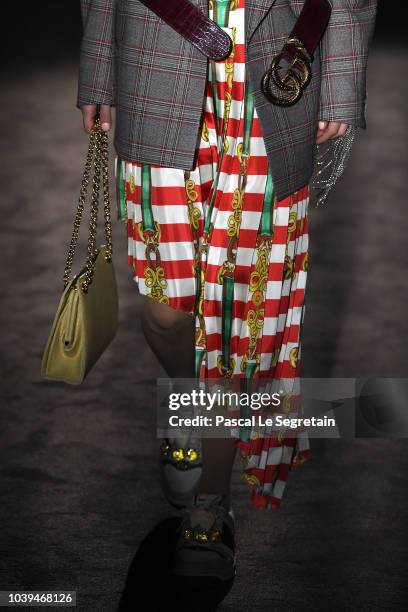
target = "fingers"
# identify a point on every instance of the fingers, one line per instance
(88, 116)
(106, 117)
(89, 112)
(330, 129)
(343, 129)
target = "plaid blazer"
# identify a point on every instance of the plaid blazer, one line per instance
(133, 60)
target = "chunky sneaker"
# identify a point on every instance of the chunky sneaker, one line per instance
(181, 468)
(206, 545)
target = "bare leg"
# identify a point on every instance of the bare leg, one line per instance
(218, 461)
(170, 335)
(166, 328)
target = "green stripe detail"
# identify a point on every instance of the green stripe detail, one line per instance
(267, 209)
(122, 194)
(121, 204)
(199, 356)
(221, 12)
(198, 288)
(216, 102)
(227, 299)
(249, 111)
(250, 367)
(147, 213)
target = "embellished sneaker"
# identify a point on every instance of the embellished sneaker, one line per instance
(206, 544)
(181, 468)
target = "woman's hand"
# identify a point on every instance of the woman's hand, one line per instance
(330, 129)
(88, 115)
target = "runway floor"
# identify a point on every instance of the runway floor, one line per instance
(79, 480)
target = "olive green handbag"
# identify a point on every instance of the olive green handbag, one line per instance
(87, 315)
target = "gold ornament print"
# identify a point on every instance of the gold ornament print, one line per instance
(227, 108)
(156, 236)
(154, 272)
(131, 183)
(287, 402)
(293, 357)
(234, 220)
(224, 370)
(275, 357)
(155, 281)
(305, 262)
(288, 267)
(229, 63)
(259, 277)
(194, 213)
(204, 132)
(240, 153)
(257, 285)
(291, 225)
(227, 267)
(201, 297)
(226, 144)
(255, 322)
(252, 479)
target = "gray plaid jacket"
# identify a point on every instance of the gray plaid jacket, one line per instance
(133, 60)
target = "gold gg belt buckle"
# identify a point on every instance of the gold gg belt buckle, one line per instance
(283, 86)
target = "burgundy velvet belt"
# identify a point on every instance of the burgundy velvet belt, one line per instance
(191, 23)
(282, 85)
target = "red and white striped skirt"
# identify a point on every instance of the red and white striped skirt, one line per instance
(215, 241)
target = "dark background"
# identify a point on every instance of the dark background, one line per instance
(50, 31)
(78, 466)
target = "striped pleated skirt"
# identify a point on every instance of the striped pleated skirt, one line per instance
(216, 242)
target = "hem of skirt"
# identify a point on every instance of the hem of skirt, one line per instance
(260, 500)
(139, 281)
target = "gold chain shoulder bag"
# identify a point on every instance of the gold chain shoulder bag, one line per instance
(87, 316)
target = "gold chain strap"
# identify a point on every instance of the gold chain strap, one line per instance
(98, 155)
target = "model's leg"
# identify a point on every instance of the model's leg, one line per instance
(170, 335)
(166, 329)
(218, 455)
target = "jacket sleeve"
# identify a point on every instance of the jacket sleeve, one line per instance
(344, 53)
(96, 83)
